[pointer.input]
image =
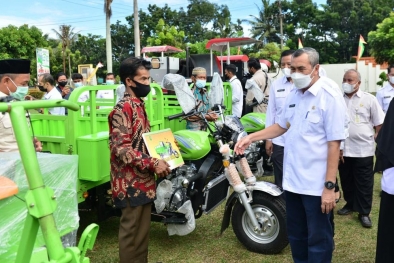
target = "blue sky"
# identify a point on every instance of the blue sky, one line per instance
(88, 16)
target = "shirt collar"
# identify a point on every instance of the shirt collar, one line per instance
(285, 80)
(314, 89)
(135, 100)
(234, 77)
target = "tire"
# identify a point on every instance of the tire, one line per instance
(271, 211)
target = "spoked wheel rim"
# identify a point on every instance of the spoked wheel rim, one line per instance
(268, 223)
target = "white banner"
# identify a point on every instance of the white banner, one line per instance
(42, 61)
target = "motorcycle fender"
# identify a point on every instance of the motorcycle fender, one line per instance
(227, 211)
(266, 187)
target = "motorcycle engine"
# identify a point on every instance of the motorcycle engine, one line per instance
(178, 196)
(252, 153)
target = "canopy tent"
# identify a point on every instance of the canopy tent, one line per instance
(160, 49)
(221, 44)
(243, 58)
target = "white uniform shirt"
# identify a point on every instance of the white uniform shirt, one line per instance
(237, 97)
(388, 181)
(365, 113)
(279, 90)
(105, 94)
(54, 94)
(384, 96)
(84, 96)
(313, 119)
(7, 136)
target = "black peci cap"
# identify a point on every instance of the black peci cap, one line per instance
(15, 66)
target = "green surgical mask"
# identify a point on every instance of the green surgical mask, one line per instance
(20, 93)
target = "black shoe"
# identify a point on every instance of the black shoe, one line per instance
(344, 211)
(365, 221)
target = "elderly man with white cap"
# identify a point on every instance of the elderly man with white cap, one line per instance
(199, 78)
(14, 82)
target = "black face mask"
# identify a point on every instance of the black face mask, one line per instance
(62, 83)
(141, 90)
(42, 88)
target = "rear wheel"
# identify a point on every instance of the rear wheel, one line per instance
(271, 215)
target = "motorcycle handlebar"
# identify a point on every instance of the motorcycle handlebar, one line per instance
(175, 116)
(27, 105)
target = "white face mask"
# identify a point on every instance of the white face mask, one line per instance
(391, 79)
(302, 80)
(348, 88)
(286, 72)
(110, 82)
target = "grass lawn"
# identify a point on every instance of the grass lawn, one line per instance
(353, 242)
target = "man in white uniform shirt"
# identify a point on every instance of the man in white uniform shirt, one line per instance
(356, 170)
(236, 88)
(107, 94)
(279, 90)
(314, 120)
(386, 94)
(47, 83)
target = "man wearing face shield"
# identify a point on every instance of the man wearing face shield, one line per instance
(314, 120)
(132, 169)
(199, 78)
(14, 82)
(356, 166)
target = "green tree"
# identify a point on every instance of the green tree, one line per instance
(264, 27)
(66, 37)
(381, 41)
(166, 35)
(21, 42)
(93, 47)
(270, 52)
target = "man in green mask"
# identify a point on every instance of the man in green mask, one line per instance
(14, 82)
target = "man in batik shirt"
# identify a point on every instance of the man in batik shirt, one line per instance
(199, 78)
(132, 169)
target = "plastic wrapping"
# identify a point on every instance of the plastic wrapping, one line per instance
(60, 172)
(216, 93)
(120, 90)
(257, 92)
(163, 193)
(183, 92)
(185, 229)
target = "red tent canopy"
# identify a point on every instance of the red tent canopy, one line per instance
(243, 58)
(159, 49)
(220, 44)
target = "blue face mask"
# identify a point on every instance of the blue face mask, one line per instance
(201, 83)
(78, 84)
(20, 93)
(110, 82)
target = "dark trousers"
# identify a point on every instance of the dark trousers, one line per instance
(357, 183)
(385, 240)
(277, 161)
(134, 234)
(309, 230)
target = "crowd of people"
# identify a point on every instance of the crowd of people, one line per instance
(313, 130)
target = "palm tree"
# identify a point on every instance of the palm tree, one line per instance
(108, 43)
(263, 25)
(66, 37)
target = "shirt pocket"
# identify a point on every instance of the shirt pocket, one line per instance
(386, 101)
(312, 123)
(363, 115)
(280, 94)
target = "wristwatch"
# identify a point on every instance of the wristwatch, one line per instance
(329, 185)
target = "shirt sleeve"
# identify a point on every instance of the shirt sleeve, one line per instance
(237, 91)
(379, 97)
(376, 112)
(271, 110)
(121, 142)
(335, 118)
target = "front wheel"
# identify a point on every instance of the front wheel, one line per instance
(271, 215)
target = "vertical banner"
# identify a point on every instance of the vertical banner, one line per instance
(42, 61)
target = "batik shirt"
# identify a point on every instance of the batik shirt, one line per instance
(202, 103)
(132, 169)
